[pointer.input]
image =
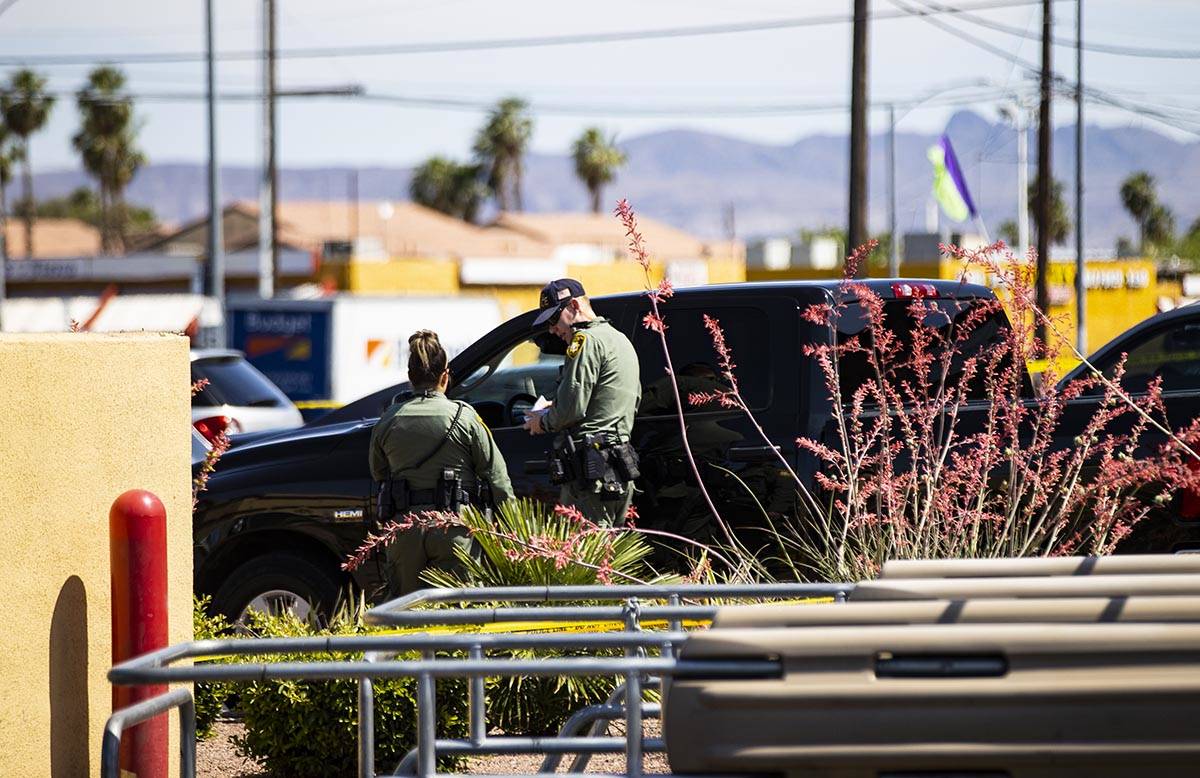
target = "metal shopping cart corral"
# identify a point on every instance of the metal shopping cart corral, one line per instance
(793, 690)
(649, 659)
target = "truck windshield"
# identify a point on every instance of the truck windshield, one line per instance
(234, 381)
(946, 316)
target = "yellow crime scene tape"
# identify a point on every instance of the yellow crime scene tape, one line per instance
(551, 627)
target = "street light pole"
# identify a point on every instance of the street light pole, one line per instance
(894, 254)
(1081, 343)
(214, 279)
(1022, 180)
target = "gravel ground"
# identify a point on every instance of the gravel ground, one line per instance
(216, 758)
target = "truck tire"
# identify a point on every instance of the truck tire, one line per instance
(276, 582)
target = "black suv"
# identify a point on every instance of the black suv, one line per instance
(281, 513)
(1166, 346)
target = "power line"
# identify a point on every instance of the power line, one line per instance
(441, 47)
(475, 105)
(1092, 93)
(1099, 48)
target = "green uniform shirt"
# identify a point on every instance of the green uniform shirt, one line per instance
(600, 386)
(409, 431)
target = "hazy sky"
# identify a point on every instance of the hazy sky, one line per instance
(798, 65)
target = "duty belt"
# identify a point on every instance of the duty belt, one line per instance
(423, 497)
(596, 458)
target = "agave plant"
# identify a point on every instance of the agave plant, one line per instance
(526, 543)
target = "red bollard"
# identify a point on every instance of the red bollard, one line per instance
(137, 532)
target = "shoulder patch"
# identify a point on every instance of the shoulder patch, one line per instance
(576, 345)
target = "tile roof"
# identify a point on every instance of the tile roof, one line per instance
(664, 241)
(409, 229)
(53, 238)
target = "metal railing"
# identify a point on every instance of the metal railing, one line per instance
(649, 659)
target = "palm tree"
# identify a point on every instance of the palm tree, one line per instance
(1158, 231)
(9, 155)
(1139, 198)
(106, 144)
(128, 160)
(596, 162)
(451, 187)
(25, 107)
(1060, 217)
(1008, 232)
(500, 146)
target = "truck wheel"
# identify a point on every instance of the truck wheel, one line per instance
(275, 583)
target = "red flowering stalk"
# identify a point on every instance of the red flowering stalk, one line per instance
(654, 322)
(391, 530)
(856, 258)
(200, 480)
(942, 452)
(211, 457)
(985, 257)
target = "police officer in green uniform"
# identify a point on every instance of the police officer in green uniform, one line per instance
(432, 453)
(594, 405)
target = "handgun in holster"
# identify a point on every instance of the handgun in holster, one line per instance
(485, 500)
(449, 494)
(392, 499)
(563, 462)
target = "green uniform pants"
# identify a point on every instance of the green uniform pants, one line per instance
(606, 513)
(418, 549)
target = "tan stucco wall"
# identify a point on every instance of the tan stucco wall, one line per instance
(82, 419)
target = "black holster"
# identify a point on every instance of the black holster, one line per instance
(392, 500)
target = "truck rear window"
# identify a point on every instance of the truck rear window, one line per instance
(946, 317)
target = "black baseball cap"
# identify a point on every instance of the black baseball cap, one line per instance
(555, 295)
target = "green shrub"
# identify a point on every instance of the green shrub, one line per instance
(309, 728)
(210, 697)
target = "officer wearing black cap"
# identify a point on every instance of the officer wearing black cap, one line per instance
(594, 405)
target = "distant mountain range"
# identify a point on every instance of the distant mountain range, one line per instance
(690, 179)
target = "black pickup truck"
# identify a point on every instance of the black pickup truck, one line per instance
(281, 513)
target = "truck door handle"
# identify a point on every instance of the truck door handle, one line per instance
(753, 453)
(536, 467)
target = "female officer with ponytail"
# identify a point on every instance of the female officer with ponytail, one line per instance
(432, 453)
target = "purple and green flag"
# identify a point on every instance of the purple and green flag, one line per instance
(949, 186)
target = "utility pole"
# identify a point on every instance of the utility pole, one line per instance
(1080, 286)
(214, 277)
(856, 234)
(1045, 174)
(894, 255)
(267, 255)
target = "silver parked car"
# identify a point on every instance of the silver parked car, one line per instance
(238, 398)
